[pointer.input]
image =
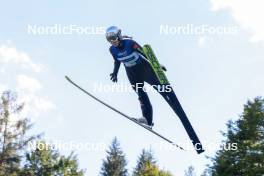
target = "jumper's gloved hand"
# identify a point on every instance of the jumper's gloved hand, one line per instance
(113, 77)
(163, 67)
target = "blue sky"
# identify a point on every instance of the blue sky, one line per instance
(213, 75)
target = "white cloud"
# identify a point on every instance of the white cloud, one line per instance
(43, 105)
(35, 105)
(3, 87)
(247, 13)
(13, 56)
(28, 84)
(201, 41)
(29, 92)
(29, 89)
(2, 70)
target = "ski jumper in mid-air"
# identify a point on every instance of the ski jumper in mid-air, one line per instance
(139, 70)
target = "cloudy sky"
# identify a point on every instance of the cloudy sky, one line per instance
(213, 73)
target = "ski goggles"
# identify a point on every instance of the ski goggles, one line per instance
(112, 38)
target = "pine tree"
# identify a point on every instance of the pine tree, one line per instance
(244, 145)
(207, 172)
(13, 137)
(190, 171)
(13, 143)
(45, 161)
(147, 166)
(164, 173)
(115, 163)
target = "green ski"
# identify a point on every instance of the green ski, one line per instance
(155, 64)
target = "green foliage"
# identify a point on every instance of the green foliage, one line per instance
(164, 173)
(13, 143)
(190, 171)
(13, 137)
(115, 163)
(247, 135)
(146, 166)
(46, 162)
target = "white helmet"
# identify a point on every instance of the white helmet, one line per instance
(113, 33)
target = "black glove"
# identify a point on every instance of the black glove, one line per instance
(163, 67)
(113, 77)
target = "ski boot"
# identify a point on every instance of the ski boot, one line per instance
(143, 121)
